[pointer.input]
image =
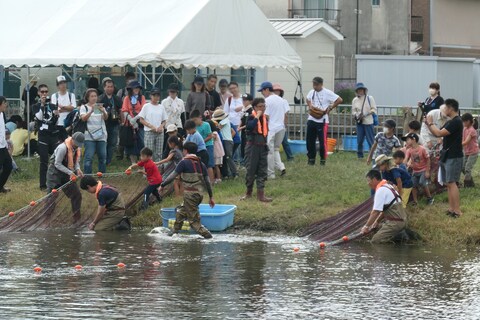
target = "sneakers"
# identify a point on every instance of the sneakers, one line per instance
(5, 190)
(218, 181)
(311, 162)
(284, 172)
(322, 162)
(430, 201)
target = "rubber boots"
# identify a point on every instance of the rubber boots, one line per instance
(261, 196)
(247, 195)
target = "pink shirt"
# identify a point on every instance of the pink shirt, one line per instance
(418, 158)
(472, 147)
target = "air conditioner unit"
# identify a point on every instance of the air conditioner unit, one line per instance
(299, 16)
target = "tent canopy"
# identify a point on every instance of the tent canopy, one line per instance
(190, 33)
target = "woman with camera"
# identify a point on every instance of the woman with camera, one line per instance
(434, 101)
(94, 115)
(363, 109)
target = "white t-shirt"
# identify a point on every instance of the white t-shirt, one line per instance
(234, 116)
(96, 129)
(3, 140)
(275, 109)
(383, 197)
(154, 114)
(63, 100)
(321, 100)
(226, 130)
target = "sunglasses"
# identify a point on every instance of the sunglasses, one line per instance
(43, 91)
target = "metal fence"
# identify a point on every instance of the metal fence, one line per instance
(342, 124)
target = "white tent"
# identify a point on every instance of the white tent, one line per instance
(190, 33)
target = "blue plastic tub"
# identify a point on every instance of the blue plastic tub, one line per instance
(298, 146)
(350, 143)
(218, 218)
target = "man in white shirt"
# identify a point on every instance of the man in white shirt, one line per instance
(5, 158)
(154, 118)
(320, 102)
(275, 111)
(65, 102)
(387, 205)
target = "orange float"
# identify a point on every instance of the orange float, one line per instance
(128, 172)
(33, 203)
(156, 263)
(296, 249)
(78, 267)
(99, 174)
(322, 245)
(37, 269)
(11, 214)
(54, 190)
(345, 238)
(121, 265)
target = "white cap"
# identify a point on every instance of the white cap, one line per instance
(61, 79)
(171, 128)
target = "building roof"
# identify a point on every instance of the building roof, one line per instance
(302, 28)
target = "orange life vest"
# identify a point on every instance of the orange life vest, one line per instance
(70, 153)
(261, 129)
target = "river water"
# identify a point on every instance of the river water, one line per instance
(234, 276)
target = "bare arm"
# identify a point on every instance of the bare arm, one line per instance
(370, 154)
(372, 219)
(399, 185)
(167, 159)
(336, 103)
(100, 212)
(209, 137)
(467, 140)
(437, 132)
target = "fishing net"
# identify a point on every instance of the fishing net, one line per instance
(71, 207)
(344, 223)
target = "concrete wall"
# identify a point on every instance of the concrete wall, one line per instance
(476, 83)
(317, 53)
(274, 8)
(404, 80)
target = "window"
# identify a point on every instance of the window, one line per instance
(375, 3)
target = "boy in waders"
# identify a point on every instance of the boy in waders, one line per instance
(256, 151)
(194, 176)
(111, 206)
(387, 205)
(64, 166)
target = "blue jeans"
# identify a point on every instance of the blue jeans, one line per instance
(92, 147)
(286, 146)
(364, 131)
(112, 140)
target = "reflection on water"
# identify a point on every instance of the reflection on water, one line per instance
(231, 277)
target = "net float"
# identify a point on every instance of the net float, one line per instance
(54, 190)
(73, 178)
(37, 269)
(345, 238)
(128, 172)
(322, 245)
(78, 267)
(99, 174)
(121, 265)
(11, 214)
(33, 203)
(296, 249)
(156, 263)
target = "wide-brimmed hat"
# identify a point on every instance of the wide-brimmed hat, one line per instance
(359, 86)
(78, 138)
(382, 159)
(411, 135)
(219, 115)
(277, 86)
(171, 128)
(134, 84)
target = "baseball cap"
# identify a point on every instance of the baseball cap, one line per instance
(411, 135)
(265, 85)
(154, 91)
(61, 79)
(171, 128)
(106, 79)
(247, 96)
(78, 138)
(199, 79)
(173, 87)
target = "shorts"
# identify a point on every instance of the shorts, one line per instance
(419, 179)
(451, 170)
(203, 155)
(211, 158)
(218, 161)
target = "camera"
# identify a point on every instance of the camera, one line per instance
(47, 100)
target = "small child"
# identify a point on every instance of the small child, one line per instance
(195, 180)
(470, 149)
(205, 131)
(227, 134)
(172, 131)
(153, 176)
(169, 164)
(219, 153)
(195, 137)
(385, 142)
(396, 175)
(10, 150)
(415, 126)
(420, 164)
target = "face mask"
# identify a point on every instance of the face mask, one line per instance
(385, 130)
(432, 92)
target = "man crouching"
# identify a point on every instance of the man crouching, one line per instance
(387, 204)
(194, 176)
(111, 207)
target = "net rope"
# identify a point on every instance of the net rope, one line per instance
(55, 210)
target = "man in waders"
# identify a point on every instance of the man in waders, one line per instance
(111, 206)
(387, 204)
(256, 151)
(194, 176)
(64, 166)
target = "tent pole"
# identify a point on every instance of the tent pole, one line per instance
(75, 80)
(2, 75)
(154, 67)
(302, 103)
(28, 112)
(252, 81)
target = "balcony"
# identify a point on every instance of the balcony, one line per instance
(416, 27)
(331, 16)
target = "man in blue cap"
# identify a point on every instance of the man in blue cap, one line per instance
(363, 108)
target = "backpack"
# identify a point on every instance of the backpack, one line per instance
(73, 122)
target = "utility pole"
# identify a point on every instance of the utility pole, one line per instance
(431, 28)
(357, 12)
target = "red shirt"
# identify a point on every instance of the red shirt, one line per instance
(153, 175)
(418, 157)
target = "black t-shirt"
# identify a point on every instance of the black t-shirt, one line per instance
(113, 106)
(453, 142)
(215, 100)
(106, 196)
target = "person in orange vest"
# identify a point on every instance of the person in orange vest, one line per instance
(111, 206)
(256, 151)
(387, 205)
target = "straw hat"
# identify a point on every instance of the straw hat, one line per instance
(382, 159)
(219, 115)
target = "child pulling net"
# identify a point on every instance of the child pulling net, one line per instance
(70, 207)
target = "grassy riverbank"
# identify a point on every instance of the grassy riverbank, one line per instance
(303, 196)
